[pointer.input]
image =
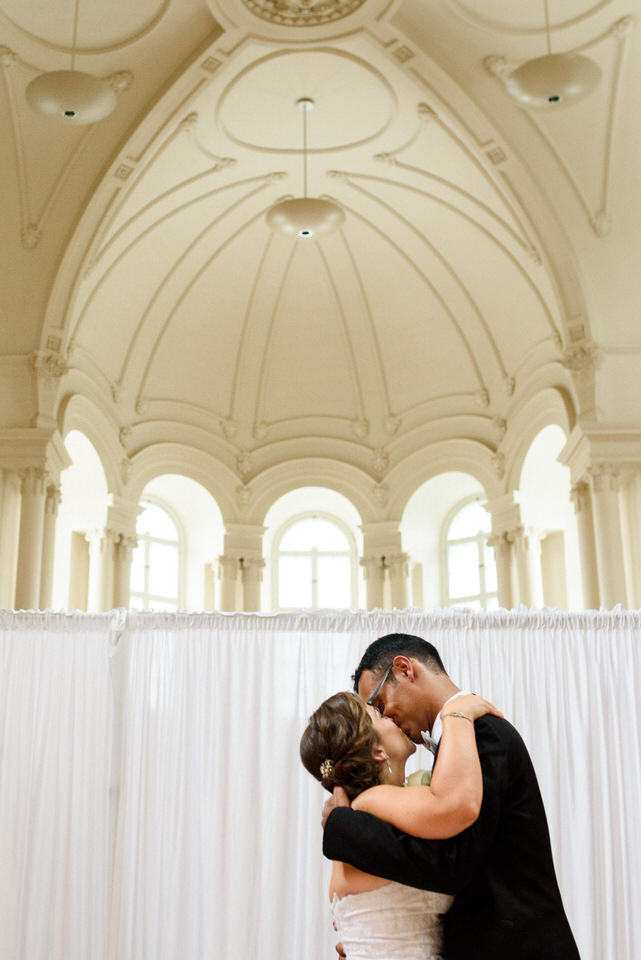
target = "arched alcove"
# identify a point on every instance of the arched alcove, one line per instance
(544, 493)
(308, 502)
(81, 519)
(422, 526)
(200, 533)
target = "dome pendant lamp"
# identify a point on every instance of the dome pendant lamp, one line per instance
(557, 79)
(70, 95)
(305, 216)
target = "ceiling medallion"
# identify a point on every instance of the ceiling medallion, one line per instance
(302, 13)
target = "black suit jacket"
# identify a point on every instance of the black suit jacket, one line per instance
(508, 905)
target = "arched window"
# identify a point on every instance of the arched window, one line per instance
(156, 562)
(469, 566)
(314, 564)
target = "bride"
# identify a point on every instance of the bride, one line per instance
(347, 743)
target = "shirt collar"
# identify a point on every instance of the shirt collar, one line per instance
(437, 729)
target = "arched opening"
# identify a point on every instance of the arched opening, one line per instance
(79, 527)
(544, 493)
(312, 545)
(427, 514)
(180, 535)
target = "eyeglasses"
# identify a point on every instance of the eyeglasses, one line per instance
(377, 689)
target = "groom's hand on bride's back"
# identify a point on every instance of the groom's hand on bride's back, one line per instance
(338, 799)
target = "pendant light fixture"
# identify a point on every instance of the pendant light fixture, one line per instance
(70, 95)
(557, 79)
(305, 216)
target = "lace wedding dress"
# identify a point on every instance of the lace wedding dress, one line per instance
(393, 922)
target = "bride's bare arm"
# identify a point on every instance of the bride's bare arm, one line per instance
(452, 802)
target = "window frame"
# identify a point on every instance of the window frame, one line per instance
(147, 539)
(314, 553)
(481, 539)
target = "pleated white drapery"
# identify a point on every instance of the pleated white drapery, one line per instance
(152, 803)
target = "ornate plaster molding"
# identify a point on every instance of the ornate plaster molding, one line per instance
(380, 460)
(583, 357)
(380, 492)
(244, 463)
(302, 13)
(49, 367)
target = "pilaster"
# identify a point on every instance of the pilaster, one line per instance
(33, 491)
(582, 500)
(52, 503)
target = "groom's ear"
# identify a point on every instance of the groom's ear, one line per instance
(404, 667)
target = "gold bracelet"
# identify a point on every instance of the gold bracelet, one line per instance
(457, 713)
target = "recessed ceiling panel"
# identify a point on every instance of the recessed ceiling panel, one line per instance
(100, 25)
(353, 103)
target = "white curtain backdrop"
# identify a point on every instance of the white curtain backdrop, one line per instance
(153, 806)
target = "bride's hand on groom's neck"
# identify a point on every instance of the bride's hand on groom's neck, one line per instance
(338, 799)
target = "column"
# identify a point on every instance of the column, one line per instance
(241, 564)
(228, 572)
(32, 511)
(527, 551)
(580, 496)
(52, 502)
(607, 534)
(399, 569)
(122, 569)
(506, 518)
(502, 546)
(9, 535)
(102, 546)
(122, 514)
(374, 575)
(251, 571)
(383, 559)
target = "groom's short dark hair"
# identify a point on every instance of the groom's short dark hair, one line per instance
(381, 652)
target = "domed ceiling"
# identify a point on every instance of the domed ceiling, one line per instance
(435, 309)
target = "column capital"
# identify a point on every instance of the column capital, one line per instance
(499, 541)
(228, 567)
(251, 568)
(33, 481)
(398, 564)
(604, 477)
(580, 496)
(54, 498)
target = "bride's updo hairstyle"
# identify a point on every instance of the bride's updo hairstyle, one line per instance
(336, 747)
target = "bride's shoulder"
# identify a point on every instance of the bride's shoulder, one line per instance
(420, 778)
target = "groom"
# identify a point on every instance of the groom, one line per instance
(507, 905)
